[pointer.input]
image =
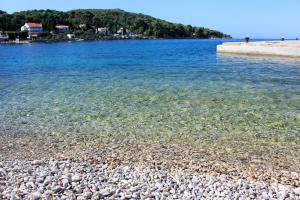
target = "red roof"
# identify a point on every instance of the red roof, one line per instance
(62, 26)
(32, 24)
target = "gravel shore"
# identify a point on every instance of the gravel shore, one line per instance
(53, 179)
(72, 167)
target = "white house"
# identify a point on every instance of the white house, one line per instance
(34, 29)
(131, 34)
(62, 28)
(121, 31)
(103, 31)
(3, 37)
(126, 32)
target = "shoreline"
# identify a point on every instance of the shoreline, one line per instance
(224, 155)
(213, 162)
(106, 39)
(48, 179)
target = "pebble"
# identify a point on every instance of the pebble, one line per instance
(35, 180)
(37, 162)
(36, 196)
(56, 189)
(76, 178)
(104, 192)
(65, 182)
(2, 172)
(297, 191)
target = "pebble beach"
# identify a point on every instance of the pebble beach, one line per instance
(35, 169)
(52, 179)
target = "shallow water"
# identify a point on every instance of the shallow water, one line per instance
(159, 87)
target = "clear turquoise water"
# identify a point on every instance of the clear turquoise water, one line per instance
(160, 87)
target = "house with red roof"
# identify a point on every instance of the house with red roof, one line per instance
(33, 29)
(62, 28)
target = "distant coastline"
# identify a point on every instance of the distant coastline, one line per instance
(93, 24)
(103, 39)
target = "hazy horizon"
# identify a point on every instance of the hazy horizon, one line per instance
(256, 19)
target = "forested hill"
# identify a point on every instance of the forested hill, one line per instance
(112, 18)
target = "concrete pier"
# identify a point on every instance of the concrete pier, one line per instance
(289, 48)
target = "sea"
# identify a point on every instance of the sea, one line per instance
(160, 87)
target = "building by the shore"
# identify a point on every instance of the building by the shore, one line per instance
(62, 28)
(103, 31)
(3, 38)
(121, 31)
(33, 29)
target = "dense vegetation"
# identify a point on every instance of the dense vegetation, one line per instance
(113, 19)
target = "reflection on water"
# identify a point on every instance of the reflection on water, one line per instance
(145, 87)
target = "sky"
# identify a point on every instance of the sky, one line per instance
(239, 18)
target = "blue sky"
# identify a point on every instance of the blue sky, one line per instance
(240, 18)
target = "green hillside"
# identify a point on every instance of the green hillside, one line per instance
(113, 19)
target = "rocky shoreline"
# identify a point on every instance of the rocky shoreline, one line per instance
(127, 167)
(53, 179)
